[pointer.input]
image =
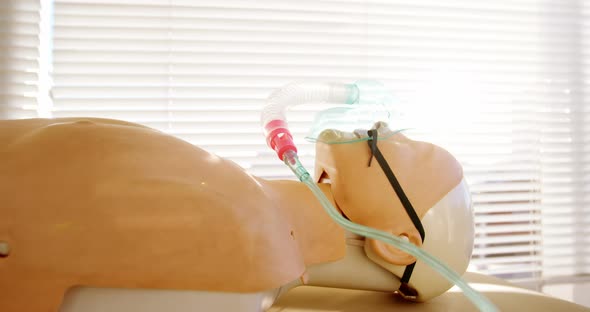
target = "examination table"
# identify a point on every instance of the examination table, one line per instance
(504, 295)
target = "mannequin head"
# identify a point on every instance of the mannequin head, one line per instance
(431, 178)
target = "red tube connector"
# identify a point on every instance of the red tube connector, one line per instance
(279, 138)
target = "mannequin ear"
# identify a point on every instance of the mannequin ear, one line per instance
(393, 255)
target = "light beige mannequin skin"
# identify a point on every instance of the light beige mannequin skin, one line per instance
(106, 203)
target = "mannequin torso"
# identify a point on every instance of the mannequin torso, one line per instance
(110, 204)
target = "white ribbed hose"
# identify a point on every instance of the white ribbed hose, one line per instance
(274, 120)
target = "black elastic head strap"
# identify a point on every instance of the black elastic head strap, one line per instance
(375, 152)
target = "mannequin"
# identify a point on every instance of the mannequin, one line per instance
(106, 203)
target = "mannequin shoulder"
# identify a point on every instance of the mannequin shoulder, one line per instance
(14, 128)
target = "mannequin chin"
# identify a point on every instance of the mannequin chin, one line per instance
(449, 237)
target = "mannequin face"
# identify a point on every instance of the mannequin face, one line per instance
(364, 194)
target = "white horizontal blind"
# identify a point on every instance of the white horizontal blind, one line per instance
(201, 70)
(469, 75)
(19, 54)
(566, 147)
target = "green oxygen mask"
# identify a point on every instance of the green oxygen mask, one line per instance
(368, 102)
(362, 104)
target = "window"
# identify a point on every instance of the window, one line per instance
(503, 85)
